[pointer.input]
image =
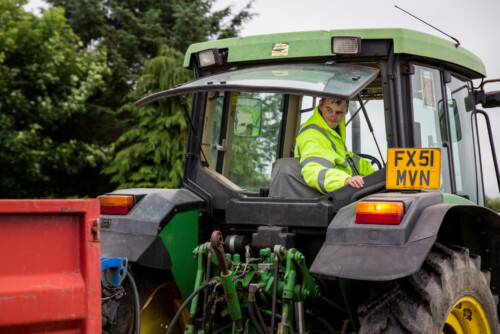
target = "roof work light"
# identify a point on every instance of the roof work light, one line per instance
(209, 57)
(346, 44)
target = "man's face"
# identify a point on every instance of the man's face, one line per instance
(333, 112)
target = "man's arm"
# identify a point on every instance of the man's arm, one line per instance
(320, 164)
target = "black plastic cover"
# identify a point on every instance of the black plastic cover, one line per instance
(134, 234)
(269, 236)
(295, 212)
(381, 252)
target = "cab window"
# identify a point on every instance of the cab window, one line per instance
(459, 94)
(245, 137)
(428, 116)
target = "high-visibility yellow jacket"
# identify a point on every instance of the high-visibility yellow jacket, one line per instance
(322, 153)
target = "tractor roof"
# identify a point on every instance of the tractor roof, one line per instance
(318, 43)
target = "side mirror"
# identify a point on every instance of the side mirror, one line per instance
(247, 122)
(492, 99)
(488, 99)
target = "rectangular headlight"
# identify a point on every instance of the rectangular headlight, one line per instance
(209, 57)
(346, 45)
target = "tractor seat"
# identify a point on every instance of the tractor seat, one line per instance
(287, 181)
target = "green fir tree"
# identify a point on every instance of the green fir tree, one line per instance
(151, 154)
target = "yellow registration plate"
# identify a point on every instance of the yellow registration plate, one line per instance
(413, 168)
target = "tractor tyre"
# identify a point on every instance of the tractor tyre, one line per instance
(449, 294)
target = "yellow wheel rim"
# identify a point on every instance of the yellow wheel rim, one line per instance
(160, 308)
(467, 317)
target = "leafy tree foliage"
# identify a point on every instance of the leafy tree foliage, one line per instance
(493, 203)
(151, 154)
(46, 76)
(134, 30)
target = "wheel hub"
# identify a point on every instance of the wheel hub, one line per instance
(467, 316)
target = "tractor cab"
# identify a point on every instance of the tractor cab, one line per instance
(251, 95)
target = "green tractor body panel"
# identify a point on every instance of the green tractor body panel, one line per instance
(454, 199)
(318, 43)
(180, 237)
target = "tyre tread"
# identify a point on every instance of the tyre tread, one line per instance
(420, 303)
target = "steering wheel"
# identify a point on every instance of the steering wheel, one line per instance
(371, 158)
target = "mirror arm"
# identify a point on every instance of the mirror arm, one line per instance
(487, 81)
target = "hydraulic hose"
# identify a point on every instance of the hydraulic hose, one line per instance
(325, 324)
(213, 310)
(136, 302)
(185, 304)
(253, 318)
(252, 310)
(260, 318)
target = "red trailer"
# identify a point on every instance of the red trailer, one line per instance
(50, 266)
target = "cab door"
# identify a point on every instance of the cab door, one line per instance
(442, 105)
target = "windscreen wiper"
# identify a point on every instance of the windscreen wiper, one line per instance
(370, 126)
(182, 100)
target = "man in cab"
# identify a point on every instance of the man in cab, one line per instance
(326, 164)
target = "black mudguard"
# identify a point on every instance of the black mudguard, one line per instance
(387, 252)
(135, 235)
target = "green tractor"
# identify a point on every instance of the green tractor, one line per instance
(247, 247)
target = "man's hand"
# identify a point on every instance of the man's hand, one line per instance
(355, 181)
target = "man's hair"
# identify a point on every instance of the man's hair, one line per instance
(334, 101)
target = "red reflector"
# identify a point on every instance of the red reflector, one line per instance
(377, 218)
(385, 213)
(114, 209)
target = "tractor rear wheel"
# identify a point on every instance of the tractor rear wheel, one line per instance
(160, 300)
(448, 295)
(160, 308)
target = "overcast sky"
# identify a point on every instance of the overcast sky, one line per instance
(475, 24)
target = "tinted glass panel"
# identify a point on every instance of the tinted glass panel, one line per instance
(334, 81)
(428, 116)
(359, 138)
(459, 94)
(252, 155)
